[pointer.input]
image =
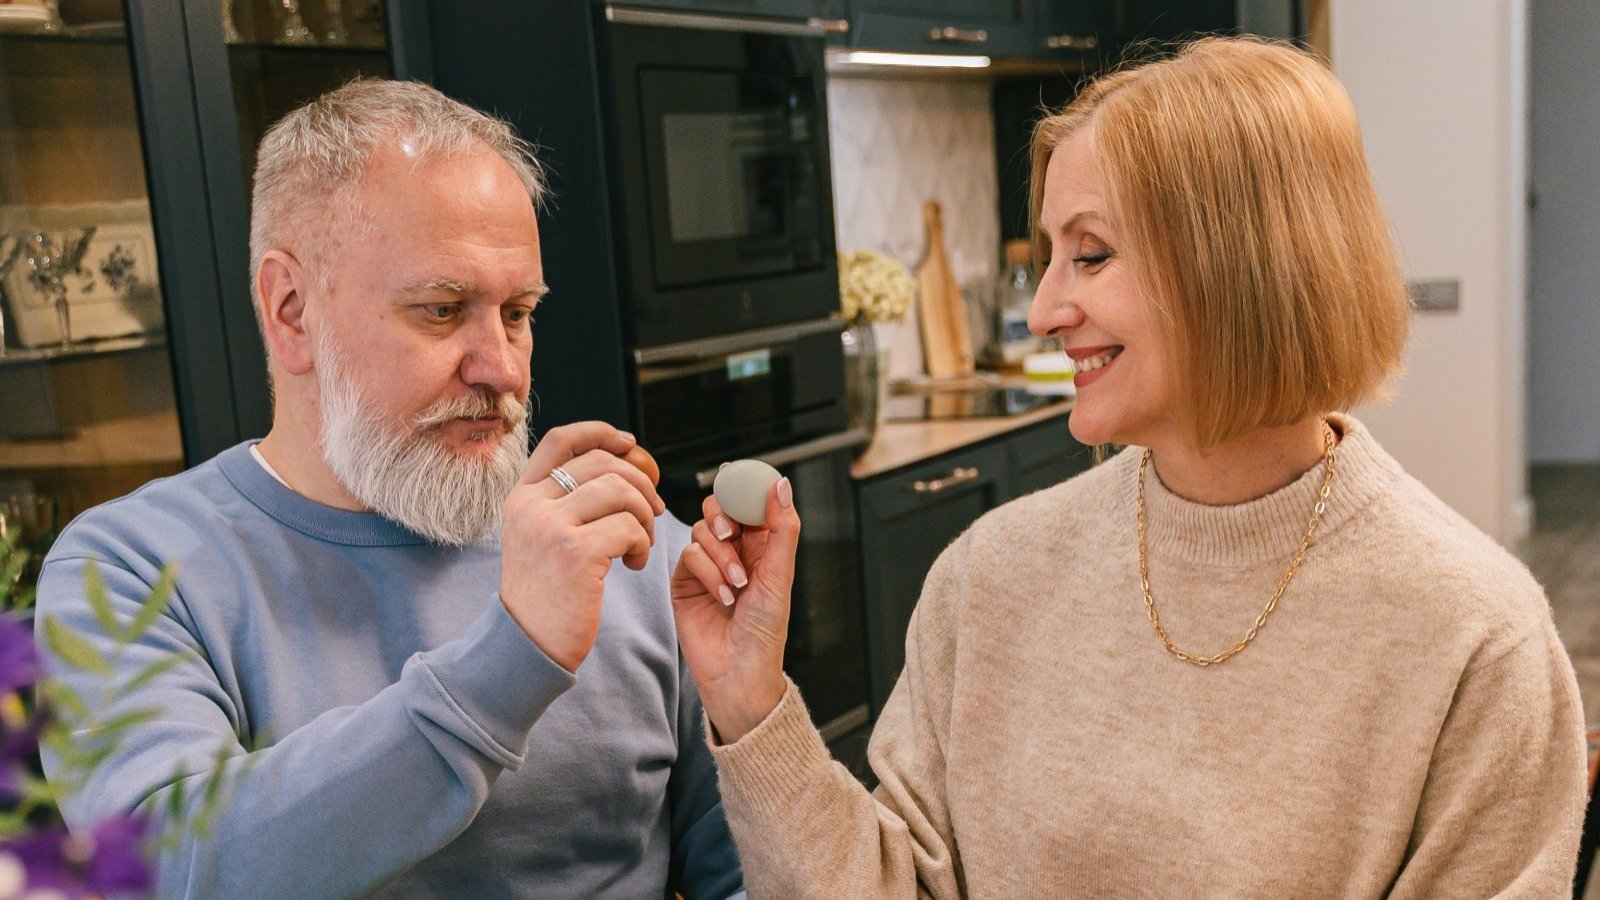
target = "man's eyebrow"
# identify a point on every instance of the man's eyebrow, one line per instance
(456, 286)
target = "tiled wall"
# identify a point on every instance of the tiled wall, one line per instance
(897, 144)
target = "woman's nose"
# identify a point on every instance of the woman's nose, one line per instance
(1053, 312)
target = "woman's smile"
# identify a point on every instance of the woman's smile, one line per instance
(1091, 362)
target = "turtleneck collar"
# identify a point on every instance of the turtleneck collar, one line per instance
(1263, 529)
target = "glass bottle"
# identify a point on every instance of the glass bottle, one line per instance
(1013, 296)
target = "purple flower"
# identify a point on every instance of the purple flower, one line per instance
(108, 861)
(19, 659)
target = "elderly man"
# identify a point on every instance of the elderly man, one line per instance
(459, 663)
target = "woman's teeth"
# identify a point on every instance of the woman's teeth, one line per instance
(1089, 364)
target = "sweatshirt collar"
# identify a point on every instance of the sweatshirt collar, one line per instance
(307, 516)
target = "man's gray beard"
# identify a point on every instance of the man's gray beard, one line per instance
(407, 474)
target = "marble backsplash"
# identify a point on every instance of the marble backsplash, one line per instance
(897, 144)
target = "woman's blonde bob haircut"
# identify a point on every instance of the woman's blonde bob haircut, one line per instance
(1234, 172)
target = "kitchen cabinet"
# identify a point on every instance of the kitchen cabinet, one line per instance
(128, 343)
(996, 28)
(907, 517)
(1082, 31)
(832, 10)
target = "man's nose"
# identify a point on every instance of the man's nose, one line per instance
(492, 361)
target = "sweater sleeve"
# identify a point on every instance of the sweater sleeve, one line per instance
(806, 828)
(338, 807)
(1502, 807)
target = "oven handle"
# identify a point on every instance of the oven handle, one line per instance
(843, 440)
(722, 345)
(627, 15)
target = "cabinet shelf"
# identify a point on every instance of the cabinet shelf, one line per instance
(95, 33)
(15, 356)
(264, 47)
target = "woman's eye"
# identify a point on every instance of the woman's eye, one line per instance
(1091, 260)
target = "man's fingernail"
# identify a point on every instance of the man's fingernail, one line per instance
(785, 493)
(725, 594)
(736, 575)
(722, 527)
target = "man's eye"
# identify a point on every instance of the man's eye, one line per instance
(442, 310)
(519, 316)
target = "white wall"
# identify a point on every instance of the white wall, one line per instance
(1440, 88)
(1564, 302)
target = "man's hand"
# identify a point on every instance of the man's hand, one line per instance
(735, 652)
(556, 547)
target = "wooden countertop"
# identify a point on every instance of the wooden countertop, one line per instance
(899, 444)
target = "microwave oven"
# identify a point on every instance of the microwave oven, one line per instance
(723, 208)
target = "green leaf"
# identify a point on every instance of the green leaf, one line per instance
(122, 722)
(175, 799)
(11, 562)
(99, 602)
(61, 695)
(151, 672)
(73, 649)
(154, 605)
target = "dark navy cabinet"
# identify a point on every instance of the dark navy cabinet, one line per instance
(996, 28)
(909, 516)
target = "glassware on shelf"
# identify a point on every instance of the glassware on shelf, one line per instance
(230, 29)
(53, 257)
(336, 32)
(10, 249)
(291, 28)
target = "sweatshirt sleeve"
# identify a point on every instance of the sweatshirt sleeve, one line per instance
(705, 863)
(338, 807)
(806, 828)
(1502, 808)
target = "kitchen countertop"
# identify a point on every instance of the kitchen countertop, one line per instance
(899, 444)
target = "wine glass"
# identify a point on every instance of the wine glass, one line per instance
(10, 249)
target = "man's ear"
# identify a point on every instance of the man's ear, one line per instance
(281, 286)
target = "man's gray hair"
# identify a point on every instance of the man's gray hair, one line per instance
(310, 162)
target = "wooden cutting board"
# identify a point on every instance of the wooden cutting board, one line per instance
(946, 343)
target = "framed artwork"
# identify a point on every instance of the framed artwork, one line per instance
(113, 292)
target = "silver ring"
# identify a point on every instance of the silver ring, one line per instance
(564, 478)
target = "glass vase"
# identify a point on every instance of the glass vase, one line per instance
(863, 376)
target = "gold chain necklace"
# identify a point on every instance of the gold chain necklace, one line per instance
(1321, 506)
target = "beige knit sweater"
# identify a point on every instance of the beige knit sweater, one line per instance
(1406, 724)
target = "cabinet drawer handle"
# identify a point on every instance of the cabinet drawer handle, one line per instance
(955, 35)
(958, 475)
(1071, 42)
(830, 26)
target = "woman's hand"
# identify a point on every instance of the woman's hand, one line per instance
(735, 652)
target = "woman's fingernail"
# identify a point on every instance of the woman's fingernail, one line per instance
(722, 527)
(628, 436)
(725, 594)
(736, 575)
(723, 466)
(785, 493)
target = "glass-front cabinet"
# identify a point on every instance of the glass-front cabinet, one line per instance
(128, 131)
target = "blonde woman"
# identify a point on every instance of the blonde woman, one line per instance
(1247, 656)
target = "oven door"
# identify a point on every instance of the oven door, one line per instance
(826, 654)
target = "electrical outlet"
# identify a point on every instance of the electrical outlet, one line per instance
(1439, 295)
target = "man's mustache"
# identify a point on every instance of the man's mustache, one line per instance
(477, 405)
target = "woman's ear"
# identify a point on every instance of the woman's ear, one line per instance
(281, 286)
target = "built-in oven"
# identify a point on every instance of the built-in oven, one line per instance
(719, 138)
(774, 394)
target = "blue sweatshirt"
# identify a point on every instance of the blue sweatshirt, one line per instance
(414, 741)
